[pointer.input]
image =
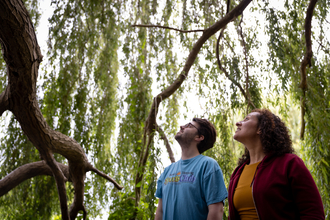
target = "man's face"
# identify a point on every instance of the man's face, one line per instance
(187, 133)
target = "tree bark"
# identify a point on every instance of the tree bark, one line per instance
(22, 55)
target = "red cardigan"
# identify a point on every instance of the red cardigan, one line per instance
(283, 188)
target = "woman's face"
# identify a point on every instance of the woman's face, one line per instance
(247, 130)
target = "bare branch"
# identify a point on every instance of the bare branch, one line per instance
(100, 173)
(306, 61)
(165, 27)
(150, 124)
(167, 144)
(151, 120)
(228, 6)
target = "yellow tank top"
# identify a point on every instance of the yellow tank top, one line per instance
(243, 200)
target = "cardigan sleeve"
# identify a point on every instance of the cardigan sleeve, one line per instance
(305, 193)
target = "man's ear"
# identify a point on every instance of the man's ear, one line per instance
(199, 137)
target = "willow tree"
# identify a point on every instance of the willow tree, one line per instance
(128, 66)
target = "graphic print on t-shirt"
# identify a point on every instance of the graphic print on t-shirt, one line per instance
(180, 177)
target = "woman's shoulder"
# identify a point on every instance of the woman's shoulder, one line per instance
(290, 157)
(287, 160)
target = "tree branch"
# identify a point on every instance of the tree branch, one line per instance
(150, 124)
(4, 101)
(165, 27)
(28, 171)
(306, 61)
(90, 167)
(167, 144)
(23, 59)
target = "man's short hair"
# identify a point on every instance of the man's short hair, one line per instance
(206, 129)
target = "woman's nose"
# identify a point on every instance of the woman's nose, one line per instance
(238, 123)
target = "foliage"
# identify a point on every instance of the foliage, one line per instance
(101, 73)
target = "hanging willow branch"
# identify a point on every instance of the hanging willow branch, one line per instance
(150, 124)
(224, 70)
(245, 94)
(246, 67)
(306, 61)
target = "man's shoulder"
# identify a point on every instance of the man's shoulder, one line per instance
(172, 165)
(209, 165)
(208, 160)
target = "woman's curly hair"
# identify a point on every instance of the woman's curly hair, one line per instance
(275, 137)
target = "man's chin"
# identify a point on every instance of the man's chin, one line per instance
(177, 136)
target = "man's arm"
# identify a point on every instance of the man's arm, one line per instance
(215, 211)
(159, 211)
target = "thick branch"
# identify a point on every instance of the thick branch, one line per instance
(28, 171)
(306, 61)
(22, 55)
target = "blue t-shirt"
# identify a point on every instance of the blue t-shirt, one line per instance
(187, 187)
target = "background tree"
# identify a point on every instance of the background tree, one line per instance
(106, 61)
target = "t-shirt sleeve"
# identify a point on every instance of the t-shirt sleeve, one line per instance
(214, 187)
(159, 186)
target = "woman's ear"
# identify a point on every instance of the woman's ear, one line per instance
(259, 131)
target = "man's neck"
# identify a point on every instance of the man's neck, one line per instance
(189, 152)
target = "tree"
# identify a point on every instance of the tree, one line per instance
(92, 42)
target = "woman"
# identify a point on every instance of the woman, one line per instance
(270, 181)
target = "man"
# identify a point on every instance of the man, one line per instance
(193, 187)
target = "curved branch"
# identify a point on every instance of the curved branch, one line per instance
(151, 120)
(167, 144)
(28, 171)
(90, 167)
(306, 61)
(22, 55)
(150, 124)
(165, 27)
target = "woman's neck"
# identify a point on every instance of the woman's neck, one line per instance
(256, 156)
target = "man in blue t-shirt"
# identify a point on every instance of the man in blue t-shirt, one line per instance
(193, 187)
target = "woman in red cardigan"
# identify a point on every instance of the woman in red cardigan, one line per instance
(270, 181)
